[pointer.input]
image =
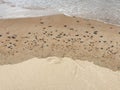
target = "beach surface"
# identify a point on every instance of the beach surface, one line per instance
(60, 36)
(57, 74)
(58, 52)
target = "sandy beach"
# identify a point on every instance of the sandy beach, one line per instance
(57, 74)
(58, 52)
(60, 36)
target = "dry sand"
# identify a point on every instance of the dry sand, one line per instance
(57, 74)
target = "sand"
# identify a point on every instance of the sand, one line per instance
(58, 52)
(60, 36)
(57, 74)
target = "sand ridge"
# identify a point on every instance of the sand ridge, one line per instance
(61, 36)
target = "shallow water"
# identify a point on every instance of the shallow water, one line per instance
(103, 10)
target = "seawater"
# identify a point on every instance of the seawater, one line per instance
(104, 10)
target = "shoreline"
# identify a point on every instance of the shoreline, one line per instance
(59, 13)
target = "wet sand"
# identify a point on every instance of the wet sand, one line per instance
(60, 36)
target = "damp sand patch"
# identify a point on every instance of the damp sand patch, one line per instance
(60, 36)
